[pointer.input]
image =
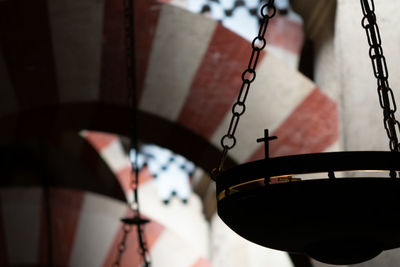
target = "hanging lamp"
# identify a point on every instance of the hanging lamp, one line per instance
(135, 220)
(336, 221)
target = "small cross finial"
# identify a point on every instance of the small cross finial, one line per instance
(266, 140)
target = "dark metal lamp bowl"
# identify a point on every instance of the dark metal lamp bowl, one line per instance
(334, 220)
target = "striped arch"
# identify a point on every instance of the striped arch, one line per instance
(80, 220)
(71, 73)
(110, 147)
(62, 69)
(85, 232)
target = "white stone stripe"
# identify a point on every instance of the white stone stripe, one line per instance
(22, 220)
(180, 43)
(175, 217)
(335, 147)
(76, 30)
(262, 256)
(98, 226)
(227, 242)
(276, 92)
(289, 58)
(7, 93)
(170, 250)
(293, 16)
(179, 3)
(114, 156)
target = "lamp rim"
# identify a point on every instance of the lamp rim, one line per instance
(307, 163)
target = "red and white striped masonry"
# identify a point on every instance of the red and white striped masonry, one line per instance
(285, 34)
(85, 232)
(55, 53)
(174, 216)
(202, 103)
(110, 148)
(188, 72)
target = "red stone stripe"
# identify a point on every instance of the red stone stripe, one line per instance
(100, 140)
(28, 52)
(312, 127)
(217, 82)
(113, 67)
(65, 206)
(153, 230)
(286, 34)
(3, 246)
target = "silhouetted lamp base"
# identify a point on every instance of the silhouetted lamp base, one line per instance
(336, 221)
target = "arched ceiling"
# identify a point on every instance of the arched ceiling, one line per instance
(72, 58)
(62, 68)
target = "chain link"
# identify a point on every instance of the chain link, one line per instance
(386, 96)
(228, 141)
(121, 246)
(134, 179)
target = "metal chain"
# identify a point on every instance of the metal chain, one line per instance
(122, 245)
(386, 97)
(228, 141)
(134, 181)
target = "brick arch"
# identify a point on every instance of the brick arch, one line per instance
(62, 69)
(85, 231)
(71, 210)
(187, 77)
